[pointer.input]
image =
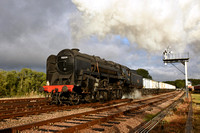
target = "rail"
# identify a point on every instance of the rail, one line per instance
(188, 127)
(100, 115)
(146, 127)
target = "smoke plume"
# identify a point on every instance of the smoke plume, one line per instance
(151, 24)
(135, 94)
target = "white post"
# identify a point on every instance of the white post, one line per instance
(186, 80)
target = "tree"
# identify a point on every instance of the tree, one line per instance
(3, 91)
(11, 82)
(180, 83)
(144, 73)
(194, 81)
(14, 83)
(31, 81)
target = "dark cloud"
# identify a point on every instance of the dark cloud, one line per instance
(22, 18)
(31, 30)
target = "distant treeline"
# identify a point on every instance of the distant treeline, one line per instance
(181, 83)
(18, 83)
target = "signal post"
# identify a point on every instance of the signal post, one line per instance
(169, 57)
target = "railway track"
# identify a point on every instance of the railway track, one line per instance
(22, 103)
(72, 123)
(189, 127)
(146, 127)
(20, 100)
(20, 109)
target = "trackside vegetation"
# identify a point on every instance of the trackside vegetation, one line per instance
(180, 83)
(20, 83)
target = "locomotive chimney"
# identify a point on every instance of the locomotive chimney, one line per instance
(75, 49)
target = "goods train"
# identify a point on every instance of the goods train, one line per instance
(74, 77)
(155, 87)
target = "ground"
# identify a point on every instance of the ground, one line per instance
(196, 112)
(175, 121)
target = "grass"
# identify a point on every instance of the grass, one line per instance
(196, 112)
(174, 122)
(32, 94)
(148, 117)
(196, 98)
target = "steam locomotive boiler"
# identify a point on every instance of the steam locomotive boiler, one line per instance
(74, 77)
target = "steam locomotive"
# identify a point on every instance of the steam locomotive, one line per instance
(74, 77)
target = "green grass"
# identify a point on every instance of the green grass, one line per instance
(196, 113)
(196, 98)
(32, 94)
(149, 117)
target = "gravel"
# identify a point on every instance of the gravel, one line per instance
(41, 117)
(131, 122)
(127, 123)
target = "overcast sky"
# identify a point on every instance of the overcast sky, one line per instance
(32, 30)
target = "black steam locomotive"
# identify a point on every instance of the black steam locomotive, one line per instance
(74, 77)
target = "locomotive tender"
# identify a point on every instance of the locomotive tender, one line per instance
(74, 77)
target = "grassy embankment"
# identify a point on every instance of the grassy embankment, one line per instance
(176, 120)
(196, 112)
(32, 94)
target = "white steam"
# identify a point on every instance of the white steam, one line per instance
(152, 24)
(135, 94)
